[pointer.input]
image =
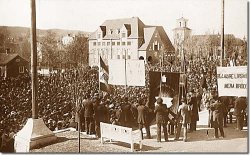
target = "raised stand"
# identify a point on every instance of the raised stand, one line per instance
(34, 134)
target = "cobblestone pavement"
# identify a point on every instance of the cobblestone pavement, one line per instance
(198, 141)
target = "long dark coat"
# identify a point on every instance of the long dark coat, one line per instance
(194, 109)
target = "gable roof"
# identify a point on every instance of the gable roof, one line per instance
(164, 37)
(6, 58)
(134, 23)
(148, 34)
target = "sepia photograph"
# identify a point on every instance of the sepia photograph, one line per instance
(124, 76)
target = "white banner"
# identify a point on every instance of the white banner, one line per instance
(116, 72)
(135, 72)
(232, 81)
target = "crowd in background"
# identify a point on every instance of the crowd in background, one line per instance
(59, 95)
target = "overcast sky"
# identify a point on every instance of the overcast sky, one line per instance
(86, 15)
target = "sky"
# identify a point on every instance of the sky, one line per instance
(86, 15)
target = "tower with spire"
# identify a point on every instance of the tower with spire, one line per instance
(181, 34)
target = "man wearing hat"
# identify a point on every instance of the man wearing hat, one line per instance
(183, 119)
(88, 110)
(160, 112)
(239, 110)
(143, 118)
(217, 109)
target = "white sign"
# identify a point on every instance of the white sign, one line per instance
(232, 81)
(116, 72)
(120, 133)
(135, 72)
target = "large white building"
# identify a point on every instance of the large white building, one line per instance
(128, 38)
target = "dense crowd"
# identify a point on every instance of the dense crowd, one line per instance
(60, 94)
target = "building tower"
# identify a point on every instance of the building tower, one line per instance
(181, 34)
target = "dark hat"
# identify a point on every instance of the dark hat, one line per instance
(159, 100)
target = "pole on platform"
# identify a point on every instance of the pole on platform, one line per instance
(125, 73)
(33, 60)
(222, 33)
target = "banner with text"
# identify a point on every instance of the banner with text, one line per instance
(232, 81)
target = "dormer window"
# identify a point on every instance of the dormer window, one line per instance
(118, 31)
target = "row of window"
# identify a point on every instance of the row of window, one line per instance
(111, 32)
(113, 43)
(117, 57)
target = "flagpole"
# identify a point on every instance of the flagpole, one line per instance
(161, 72)
(99, 70)
(125, 73)
(222, 33)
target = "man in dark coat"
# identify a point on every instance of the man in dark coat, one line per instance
(217, 111)
(143, 118)
(160, 112)
(225, 100)
(100, 115)
(88, 113)
(194, 112)
(239, 110)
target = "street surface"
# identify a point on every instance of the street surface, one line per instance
(198, 141)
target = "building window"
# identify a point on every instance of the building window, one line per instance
(111, 31)
(123, 56)
(21, 69)
(118, 56)
(103, 43)
(118, 31)
(113, 43)
(94, 43)
(108, 43)
(99, 43)
(180, 24)
(129, 57)
(123, 35)
(118, 43)
(123, 43)
(155, 47)
(129, 43)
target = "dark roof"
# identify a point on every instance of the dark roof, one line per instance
(6, 58)
(134, 23)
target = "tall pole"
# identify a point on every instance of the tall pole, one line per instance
(125, 73)
(33, 60)
(222, 33)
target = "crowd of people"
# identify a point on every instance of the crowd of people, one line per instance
(64, 97)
